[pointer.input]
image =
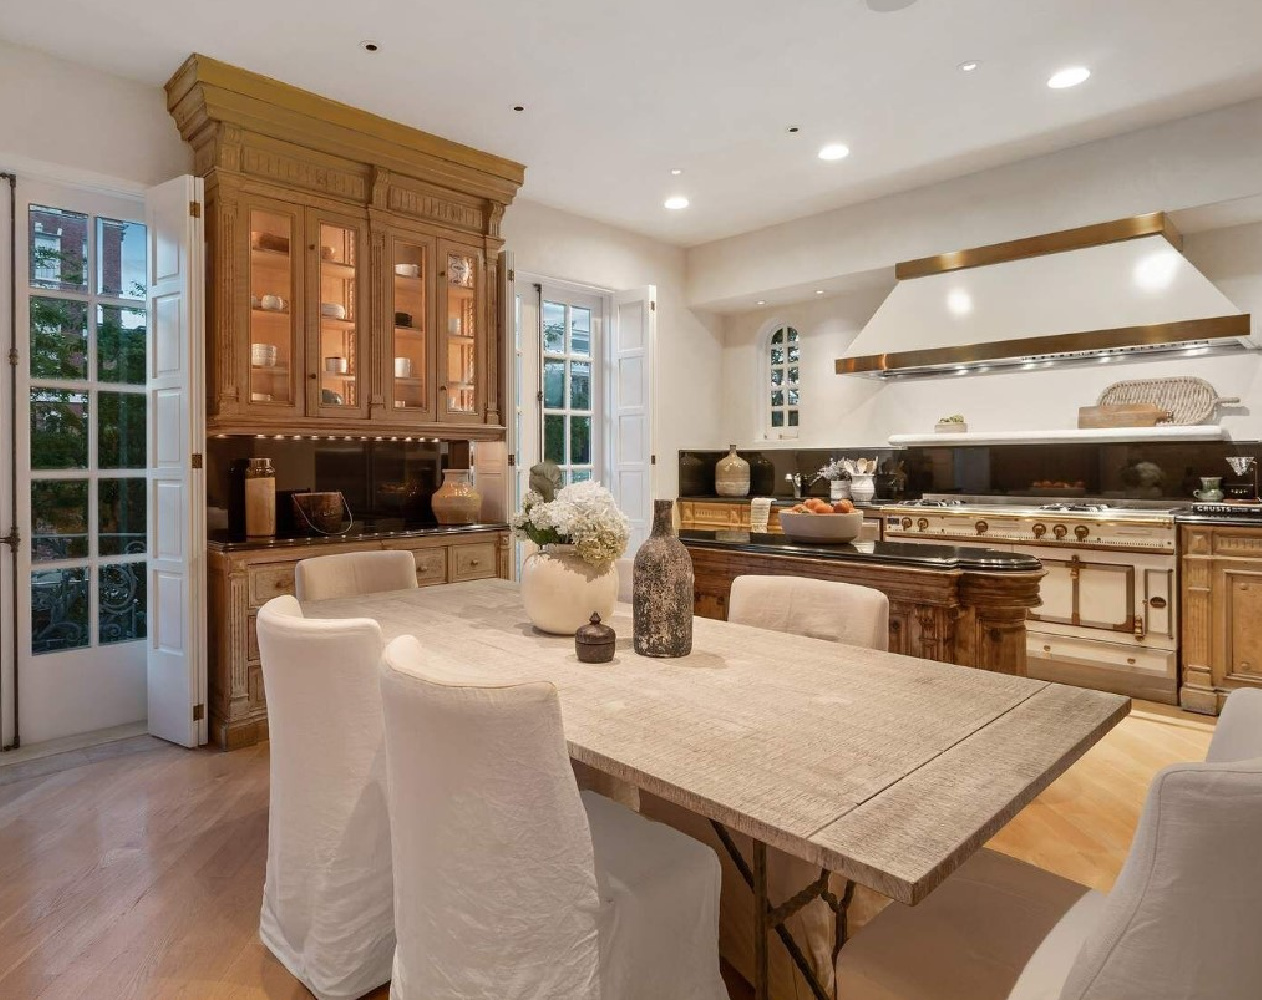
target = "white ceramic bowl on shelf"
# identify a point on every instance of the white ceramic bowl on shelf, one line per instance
(826, 528)
(334, 310)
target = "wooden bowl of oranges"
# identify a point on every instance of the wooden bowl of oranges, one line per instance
(819, 521)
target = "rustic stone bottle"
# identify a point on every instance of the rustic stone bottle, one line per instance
(731, 475)
(662, 594)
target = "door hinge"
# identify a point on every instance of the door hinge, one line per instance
(196, 459)
(195, 209)
(13, 539)
(539, 396)
(14, 357)
(652, 305)
(512, 461)
(199, 711)
(652, 460)
(512, 274)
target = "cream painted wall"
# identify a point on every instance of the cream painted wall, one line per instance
(68, 123)
(1190, 163)
(856, 412)
(554, 244)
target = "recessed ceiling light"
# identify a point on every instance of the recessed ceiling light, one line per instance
(1070, 76)
(819, 291)
(675, 202)
(369, 46)
(968, 67)
(834, 151)
(518, 107)
(761, 302)
(792, 128)
(675, 171)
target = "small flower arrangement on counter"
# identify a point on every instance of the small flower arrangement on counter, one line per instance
(849, 476)
(583, 515)
(954, 424)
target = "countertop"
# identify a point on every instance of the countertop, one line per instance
(784, 501)
(944, 557)
(361, 531)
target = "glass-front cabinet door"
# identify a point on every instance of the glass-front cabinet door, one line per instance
(336, 317)
(275, 287)
(460, 336)
(409, 361)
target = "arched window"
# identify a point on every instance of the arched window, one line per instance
(783, 367)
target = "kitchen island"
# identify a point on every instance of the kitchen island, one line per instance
(957, 604)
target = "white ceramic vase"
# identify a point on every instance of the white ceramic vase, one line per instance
(839, 489)
(862, 486)
(561, 590)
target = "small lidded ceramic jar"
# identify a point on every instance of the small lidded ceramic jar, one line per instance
(594, 642)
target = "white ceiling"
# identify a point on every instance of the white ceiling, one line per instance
(616, 94)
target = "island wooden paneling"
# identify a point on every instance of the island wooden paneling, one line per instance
(724, 515)
(1221, 613)
(241, 582)
(960, 616)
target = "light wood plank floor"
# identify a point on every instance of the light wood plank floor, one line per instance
(135, 870)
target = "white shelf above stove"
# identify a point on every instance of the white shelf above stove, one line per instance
(1069, 435)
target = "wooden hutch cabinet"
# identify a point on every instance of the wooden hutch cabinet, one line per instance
(1221, 613)
(352, 264)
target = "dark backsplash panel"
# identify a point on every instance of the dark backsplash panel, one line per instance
(1135, 471)
(381, 480)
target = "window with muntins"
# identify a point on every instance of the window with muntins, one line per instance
(784, 350)
(570, 428)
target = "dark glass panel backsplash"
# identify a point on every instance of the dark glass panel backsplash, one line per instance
(1166, 470)
(381, 480)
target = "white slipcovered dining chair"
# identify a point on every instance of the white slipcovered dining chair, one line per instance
(327, 910)
(1181, 922)
(509, 883)
(821, 609)
(349, 574)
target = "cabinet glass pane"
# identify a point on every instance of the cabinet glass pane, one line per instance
(410, 315)
(58, 251)
(121, 430)
(120, 520)
(339, 341)
(59, 338)
(461, 333)
(59, 429)
(59, 519)
(120, 345)
(272, 351)
(120, 259)
(59, 609)
(120, 597)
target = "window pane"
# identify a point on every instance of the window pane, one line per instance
(554, 327)
(120, 519)
(777, 356)
(793, 335)
(793, 397)
(580, 331)
(580, 385)
(582, 475)
(777, 376)
(793, 418)
(554, 384)
(793, 376)
(59, 339)
(120, 345)
(554, 439)
(59, 609)
(778, 337)
(793, 352)
(580, 440)
(777, 397)
(777, 418)
(59, 249)
(121, 602)
(120, 259)
(59, 519)
(59, 429)
(120, 430)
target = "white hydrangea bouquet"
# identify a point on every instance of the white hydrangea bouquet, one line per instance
(583, 515)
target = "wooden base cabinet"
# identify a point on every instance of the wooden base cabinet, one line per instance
(241, 582)
(1222, 614)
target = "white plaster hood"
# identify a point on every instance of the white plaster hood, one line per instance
(1062, 298)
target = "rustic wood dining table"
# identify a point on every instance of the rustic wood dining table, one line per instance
(888, 770)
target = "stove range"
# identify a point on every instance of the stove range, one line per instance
(1245, 509)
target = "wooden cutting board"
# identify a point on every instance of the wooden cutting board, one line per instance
(1122, 415)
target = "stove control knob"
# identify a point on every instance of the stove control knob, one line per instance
(1059, 530)
(982, 527)
(922, 523)
(906, 522)
(1040, 529)
(1081, 532)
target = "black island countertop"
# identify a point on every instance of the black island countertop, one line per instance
(360, 531)
(942, 557)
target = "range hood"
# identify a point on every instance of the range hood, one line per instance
(1117, 288)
